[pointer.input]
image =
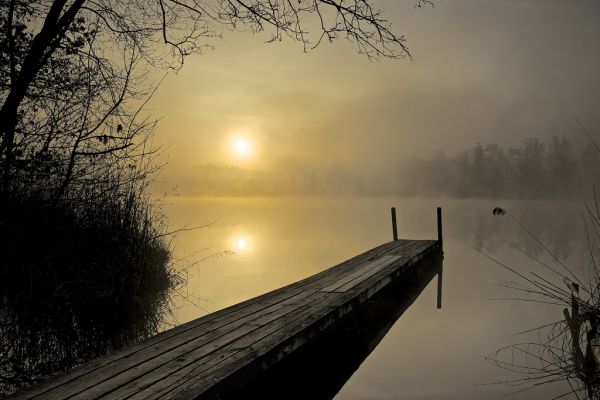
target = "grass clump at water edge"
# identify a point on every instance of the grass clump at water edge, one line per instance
(79, 277)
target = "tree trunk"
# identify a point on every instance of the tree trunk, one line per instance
(43, 46)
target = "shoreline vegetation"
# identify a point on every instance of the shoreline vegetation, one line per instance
(80, 277)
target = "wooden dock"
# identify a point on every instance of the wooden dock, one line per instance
(209, 356)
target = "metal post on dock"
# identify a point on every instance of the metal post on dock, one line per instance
(394, 226)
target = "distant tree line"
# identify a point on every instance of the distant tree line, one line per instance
(533, 170)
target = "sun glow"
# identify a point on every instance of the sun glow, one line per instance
(241, 243)
(242, 147)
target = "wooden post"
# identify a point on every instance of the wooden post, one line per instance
(574, 324)
(439, 227)
(394, 226)
(441, 244)
(439, 291)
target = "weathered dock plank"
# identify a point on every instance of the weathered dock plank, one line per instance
(162, 342)
(191, 360)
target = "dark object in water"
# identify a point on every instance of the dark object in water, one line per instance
(498, 211)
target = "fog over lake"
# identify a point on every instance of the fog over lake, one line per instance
(275, 149)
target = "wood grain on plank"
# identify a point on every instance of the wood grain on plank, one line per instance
(318, 318)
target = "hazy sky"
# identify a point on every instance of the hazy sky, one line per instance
(483, 70)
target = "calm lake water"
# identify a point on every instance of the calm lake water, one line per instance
(428, 353)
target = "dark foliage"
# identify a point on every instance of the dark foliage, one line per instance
(78, 280)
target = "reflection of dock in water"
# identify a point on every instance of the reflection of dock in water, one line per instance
(320, 369)
(301, 341)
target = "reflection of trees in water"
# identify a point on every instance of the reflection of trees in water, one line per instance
(556, 225)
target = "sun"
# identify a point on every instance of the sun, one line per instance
(242, 147)
(241, 243)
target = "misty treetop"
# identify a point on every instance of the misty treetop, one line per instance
(533, 170)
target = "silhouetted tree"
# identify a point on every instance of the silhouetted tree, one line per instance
(498, 171)
(530, 170)
(72, 68)
(590, 163)
(561, 166)
(464, 184)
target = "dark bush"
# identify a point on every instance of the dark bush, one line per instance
(79, 277)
